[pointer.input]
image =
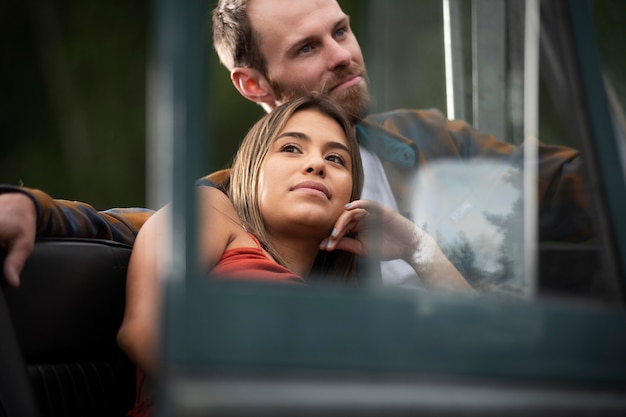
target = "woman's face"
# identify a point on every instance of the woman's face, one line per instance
(306, 178)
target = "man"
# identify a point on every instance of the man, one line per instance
(277, 50)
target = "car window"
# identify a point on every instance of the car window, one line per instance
(546, 256)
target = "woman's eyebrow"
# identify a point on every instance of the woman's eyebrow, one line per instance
(339, 145)
(297, 135)
(305, 137)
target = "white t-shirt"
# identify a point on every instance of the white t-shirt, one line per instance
(376, 188)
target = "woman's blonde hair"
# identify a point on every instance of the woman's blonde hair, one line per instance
(246, 169)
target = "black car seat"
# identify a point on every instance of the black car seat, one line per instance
(58, 354)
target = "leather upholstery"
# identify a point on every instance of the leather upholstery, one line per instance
(65, 317)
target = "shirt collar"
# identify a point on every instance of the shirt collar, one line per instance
(386, 144)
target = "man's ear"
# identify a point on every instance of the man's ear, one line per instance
(253, 86)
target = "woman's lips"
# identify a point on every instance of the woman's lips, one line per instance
(312, 187)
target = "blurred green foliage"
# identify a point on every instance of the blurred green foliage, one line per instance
(72, 104)
(72, 99)
(73, 90)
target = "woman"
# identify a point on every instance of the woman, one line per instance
(292, 196)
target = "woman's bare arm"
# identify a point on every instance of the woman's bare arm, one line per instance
(139, 333)
(138, 336)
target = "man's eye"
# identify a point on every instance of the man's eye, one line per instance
(306, 49)
(340, 32)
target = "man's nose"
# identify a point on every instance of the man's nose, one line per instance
(338, 55)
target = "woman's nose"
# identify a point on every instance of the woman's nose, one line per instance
(315, 166)
(312, 170)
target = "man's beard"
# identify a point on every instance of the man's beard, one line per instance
(354, 100)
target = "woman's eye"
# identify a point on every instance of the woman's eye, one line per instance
(336, 159)
(290, 149)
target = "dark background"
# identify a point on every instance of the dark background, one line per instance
(73, 89)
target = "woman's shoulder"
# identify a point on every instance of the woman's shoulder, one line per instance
(221, 215)
(212, 198)
(204, 192)
(220, 226)
(216, 204)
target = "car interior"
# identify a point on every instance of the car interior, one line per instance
(59, 353)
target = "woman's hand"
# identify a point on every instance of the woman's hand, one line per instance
(369, 229)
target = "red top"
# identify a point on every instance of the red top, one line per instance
(238, 263)
(253, 264)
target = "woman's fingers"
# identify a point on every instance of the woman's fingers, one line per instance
(348, 222)
(358, 216)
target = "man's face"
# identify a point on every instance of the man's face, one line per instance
(309, 47)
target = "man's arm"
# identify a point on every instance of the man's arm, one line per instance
(64, 218)
(26, 213)
(564, 209)
(565, 212)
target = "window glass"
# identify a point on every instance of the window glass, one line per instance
(512, 191)
(474, 56)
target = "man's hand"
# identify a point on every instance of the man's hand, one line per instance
(18, 226)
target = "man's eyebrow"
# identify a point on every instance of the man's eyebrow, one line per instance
(295, 47)
(344, 20)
